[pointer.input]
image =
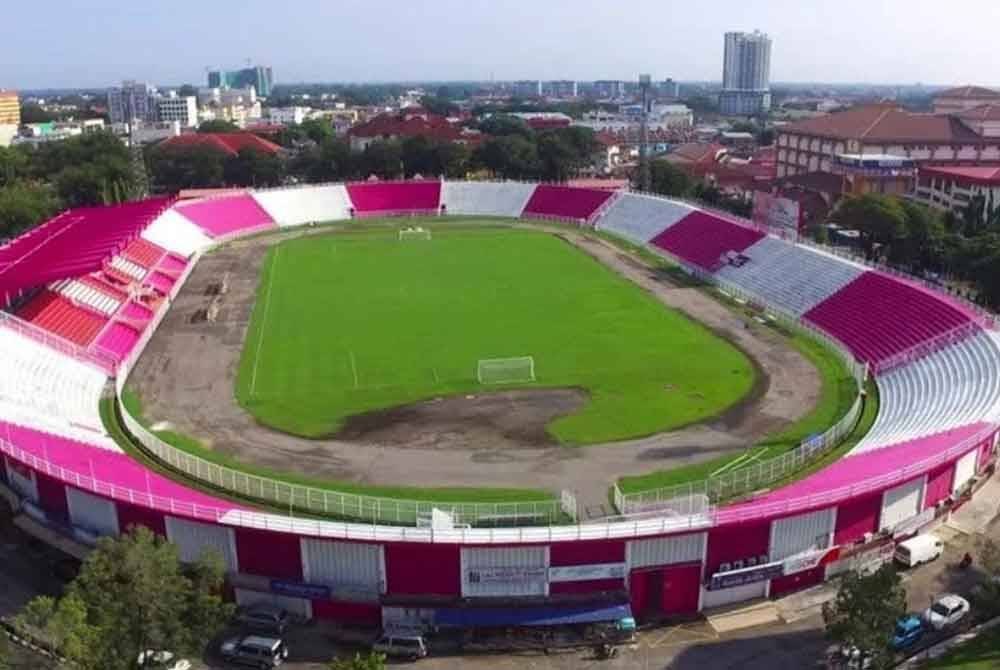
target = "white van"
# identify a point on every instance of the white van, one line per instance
(918, 550)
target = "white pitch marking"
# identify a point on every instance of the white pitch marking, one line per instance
(354, 369)
(263, 321)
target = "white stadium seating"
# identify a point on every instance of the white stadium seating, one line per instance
(640, 218)
(133, 270)
(793, 277)
(86, 295)
(955, 386)
(49, 390)
(176, 233)
(297, 206)
(486, 198)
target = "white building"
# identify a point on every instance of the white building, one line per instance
(184, 110)
(288, 115)
(132, 101)
(746, 74)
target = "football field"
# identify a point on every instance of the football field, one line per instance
(359, 321)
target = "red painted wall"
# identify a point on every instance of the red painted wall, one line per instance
(354, 613)
(855, 517)
(939, 484)
(586, 553)
(423, 569)
(735, 542)
(134, 515)
(52, 498)
(984, 453)
(681, 589)
(800, 580)
(276, 555)
(591, 586)
(637, 592)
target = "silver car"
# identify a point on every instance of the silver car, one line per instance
(255, 651)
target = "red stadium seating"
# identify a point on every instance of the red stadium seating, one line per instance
(143, 252)
(226, 214)
(403, 197)
(565, 202)
(58, 315)
(701, 238)
(877, 316)
(76, 242)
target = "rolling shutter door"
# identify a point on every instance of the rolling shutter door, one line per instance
(901, 503)
(505, 571)
(655, 551)
(965, 469)
(353, 570)
(98, 515)
(193, 539)
(736, 594)
(801, 533)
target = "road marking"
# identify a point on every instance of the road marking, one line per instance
(263, 321)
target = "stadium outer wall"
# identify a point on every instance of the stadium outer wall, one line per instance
(377, 574)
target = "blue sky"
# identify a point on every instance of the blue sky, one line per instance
(97, 42)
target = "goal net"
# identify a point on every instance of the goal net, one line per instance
(516, 370)
(414, 234)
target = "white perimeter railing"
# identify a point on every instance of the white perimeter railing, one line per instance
(298, 498)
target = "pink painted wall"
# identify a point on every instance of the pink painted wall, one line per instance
(586, 553)
(681, 589)
(423, 569)
(856, 517)
(590, 586)
(355, 613)
(939, 484)
(52, 498)
(135, 515)
(800, 580)
(734, 542)
(276, 555)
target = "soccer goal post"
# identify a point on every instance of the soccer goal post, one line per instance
(517, 370)
(414, 234)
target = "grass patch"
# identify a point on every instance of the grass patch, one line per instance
(980, 653)
(347, 324)
(192, 446)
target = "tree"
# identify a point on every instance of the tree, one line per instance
(32, 113)
(384, 159)
(881, 220)
(371, 661)
(508, 157)
(317, 130)
(502, 125)
(252, 168)
(174, 169)
(218, 126)
(331, 161)
(24, 204)
(437, 105)
(865, 611)
(133, 594)
(667, 179)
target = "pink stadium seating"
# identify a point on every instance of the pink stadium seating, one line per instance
(143, 252)
(565, 202)
(222, 215)
(172, 264)
(58, 315)
(118, 340)
(136, 312)
(701, 238)
(71, 244)
(160, 282)
(877, 316)
(395, 197)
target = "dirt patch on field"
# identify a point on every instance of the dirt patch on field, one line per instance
(187, 378)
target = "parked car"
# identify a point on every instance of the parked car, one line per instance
(945, 611)
(908, 630)
(264, 617)
(410, 647)
(918, 550)
(255, 650)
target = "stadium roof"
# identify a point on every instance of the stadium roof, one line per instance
(228, 143)
(885, 122)
(990, 112)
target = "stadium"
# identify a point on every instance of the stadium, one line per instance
(576, 404)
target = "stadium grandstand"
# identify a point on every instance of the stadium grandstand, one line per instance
(83, 292)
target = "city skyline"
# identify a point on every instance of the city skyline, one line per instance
(101, 43)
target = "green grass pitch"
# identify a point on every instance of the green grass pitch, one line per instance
(354, 322)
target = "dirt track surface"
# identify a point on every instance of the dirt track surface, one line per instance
(186, 378)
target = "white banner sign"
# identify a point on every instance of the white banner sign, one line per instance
(582, 573)
(507, 575)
